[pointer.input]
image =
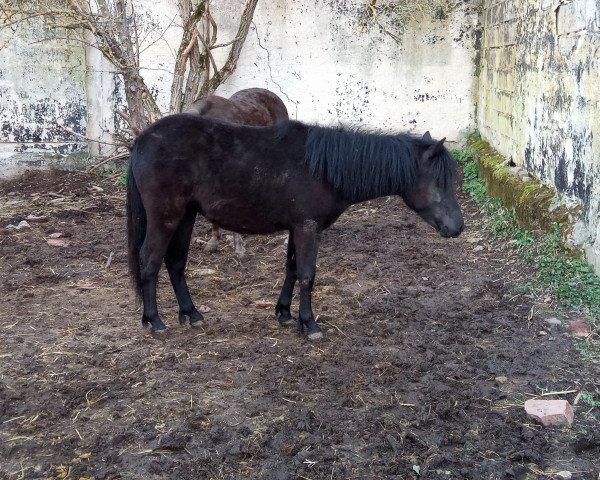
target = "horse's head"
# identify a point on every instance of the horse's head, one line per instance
(433, 195)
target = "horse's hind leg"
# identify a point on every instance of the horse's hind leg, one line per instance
(282, 310)
(238, 245)
(306, 246)
(152, 253)
(213, 242)
(175, 260)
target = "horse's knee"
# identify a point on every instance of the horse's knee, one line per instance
(177, 266)
(306, 282)
(149, 271)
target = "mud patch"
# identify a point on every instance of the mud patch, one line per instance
(417, 329)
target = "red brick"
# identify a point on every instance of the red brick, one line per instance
(550, 412)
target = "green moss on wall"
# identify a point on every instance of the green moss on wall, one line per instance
(531, 200)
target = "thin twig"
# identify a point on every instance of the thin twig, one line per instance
(208, 52)
(87, 139)
(118, 156)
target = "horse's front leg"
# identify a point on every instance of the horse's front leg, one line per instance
(282, 310)
(306, 245)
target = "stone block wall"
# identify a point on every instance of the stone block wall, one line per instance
(538, 101)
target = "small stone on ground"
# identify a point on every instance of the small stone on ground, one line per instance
(550, 412)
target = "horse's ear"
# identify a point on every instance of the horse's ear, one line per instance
(435, 149)
(427, 136)
(439, 146)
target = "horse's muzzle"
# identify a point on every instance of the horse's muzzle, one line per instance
(447, 232)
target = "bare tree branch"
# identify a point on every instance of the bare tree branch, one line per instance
(115, 32)
(234, 54)
(191, 16)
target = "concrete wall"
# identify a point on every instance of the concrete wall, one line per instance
(42, 86)
(311, 52)
(538, 98)
(314, 55)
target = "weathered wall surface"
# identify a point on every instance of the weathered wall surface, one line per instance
(310, 52)
(42, 86)
(539, 98)
(327, 70)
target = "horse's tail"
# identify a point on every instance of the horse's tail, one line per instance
(136, 227)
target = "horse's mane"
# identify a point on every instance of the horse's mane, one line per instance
(364, 165)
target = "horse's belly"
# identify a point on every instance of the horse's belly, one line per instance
(243, 218)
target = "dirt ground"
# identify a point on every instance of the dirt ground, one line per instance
(407, 382)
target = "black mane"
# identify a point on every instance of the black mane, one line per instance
(364, 165)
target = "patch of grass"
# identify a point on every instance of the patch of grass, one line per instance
(122, 178)
(589, 399)
(557, 270)
(115, 174)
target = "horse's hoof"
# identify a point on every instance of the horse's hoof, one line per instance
(284, 319)
(314, 336)
(161, 334)
(286, 322)
(197, 324)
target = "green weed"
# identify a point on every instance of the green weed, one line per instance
(557, 271)
(588, 398)
(115, 174)
(122, 178)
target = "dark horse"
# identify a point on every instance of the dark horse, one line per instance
(252, 106)
(261, 180)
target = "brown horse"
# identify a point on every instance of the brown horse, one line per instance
(252, 106)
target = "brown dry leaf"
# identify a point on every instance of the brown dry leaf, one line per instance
(57, 242)
(263, 304)
(83, 456)
(580, 328)
(37, 218)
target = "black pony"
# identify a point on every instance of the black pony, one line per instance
(260, 180)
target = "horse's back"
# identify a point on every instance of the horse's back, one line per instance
(264, 104)
(251, 106)
(183, 141)
(218, 108)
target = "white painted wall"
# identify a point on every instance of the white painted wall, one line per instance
(42, 86)
(313, 53)
(310, 52)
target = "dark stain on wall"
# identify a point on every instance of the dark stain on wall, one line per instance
(477, 39)
(581, 184)
(425, 97)
(39, 123)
